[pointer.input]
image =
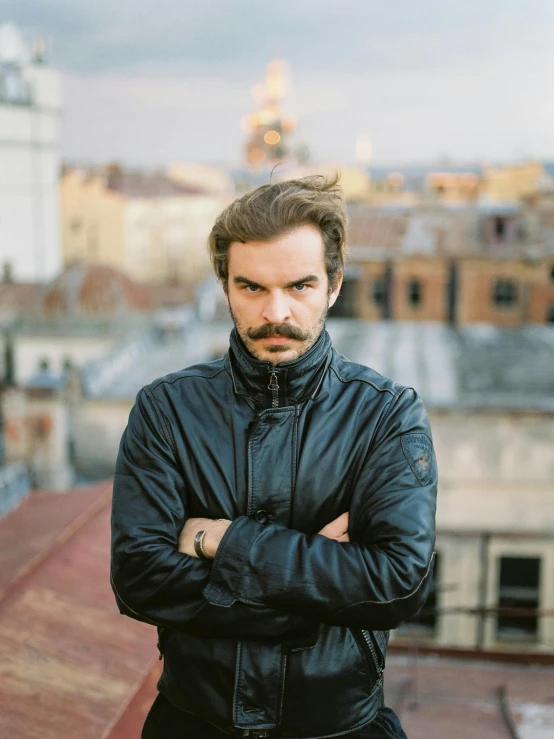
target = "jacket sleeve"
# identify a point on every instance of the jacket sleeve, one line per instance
(153, 581)
(377, 580)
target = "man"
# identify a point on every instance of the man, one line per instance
(273, 511)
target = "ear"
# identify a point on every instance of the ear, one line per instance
(335, 290)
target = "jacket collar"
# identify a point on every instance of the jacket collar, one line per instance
(296, 380)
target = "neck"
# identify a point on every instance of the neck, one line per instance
(272, 385)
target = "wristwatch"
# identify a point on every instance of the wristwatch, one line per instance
(198, 548)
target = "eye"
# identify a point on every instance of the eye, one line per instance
(252, 288)
(300, 288)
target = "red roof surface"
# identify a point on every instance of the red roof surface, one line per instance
(92, 290)
(70, 664)
(458, 699)
(137, 184)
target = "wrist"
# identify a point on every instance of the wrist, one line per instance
(199, 545)
(213, 536)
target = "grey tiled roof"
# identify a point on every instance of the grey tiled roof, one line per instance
(477, 366)
(474, 367)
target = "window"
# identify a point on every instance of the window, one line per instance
(414, 293)
(346, 305)
(504, 293)
(12, 87)
(518, 587)
(379, 292)
(499, 225)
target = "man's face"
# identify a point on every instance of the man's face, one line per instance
(278, 293)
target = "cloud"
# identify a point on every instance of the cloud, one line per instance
(148, 81)
(494, 112)
(136, 34)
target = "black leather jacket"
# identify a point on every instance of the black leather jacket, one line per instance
(284, 633)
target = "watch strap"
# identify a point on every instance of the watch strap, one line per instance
(198, 542)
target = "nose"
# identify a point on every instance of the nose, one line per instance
(276, 308)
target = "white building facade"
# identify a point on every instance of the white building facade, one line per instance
(30, 113)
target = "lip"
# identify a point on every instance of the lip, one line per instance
(276, 340)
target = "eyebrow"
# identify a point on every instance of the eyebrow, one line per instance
(240, 280)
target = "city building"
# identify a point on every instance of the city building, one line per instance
(150, 226)
(30, 112)
(67, 339)
(491, 263)
(514, 182)
(454, 187)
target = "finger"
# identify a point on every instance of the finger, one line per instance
(339, 525)
(339, 521)
(336, 527)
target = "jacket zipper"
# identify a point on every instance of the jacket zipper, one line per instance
(274, 387)
(377, 662)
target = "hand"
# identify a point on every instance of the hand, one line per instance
(337, 529)
(214, 534)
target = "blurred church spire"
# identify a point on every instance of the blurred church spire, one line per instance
(269, 129)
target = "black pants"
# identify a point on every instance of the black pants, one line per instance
(164, 721)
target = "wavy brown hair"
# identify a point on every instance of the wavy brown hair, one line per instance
(271, 211)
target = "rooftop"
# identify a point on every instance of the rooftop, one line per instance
(475, 367)
(69, 663)
(437, 697)
(72, 666)
(83, 297)
(83, 290)
(147, 185)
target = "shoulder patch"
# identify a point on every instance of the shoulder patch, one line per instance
(418, 450)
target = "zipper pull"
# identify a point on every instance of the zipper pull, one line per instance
(273, 381)
(274, 387)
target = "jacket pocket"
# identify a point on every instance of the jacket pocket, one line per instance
(330, 689)
(372, 652)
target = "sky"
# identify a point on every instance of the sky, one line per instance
(148, 82)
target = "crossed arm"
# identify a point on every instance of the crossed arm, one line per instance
(270, 581)
(155, 574)
(215, 530)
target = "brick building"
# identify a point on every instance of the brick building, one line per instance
(467, 265)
